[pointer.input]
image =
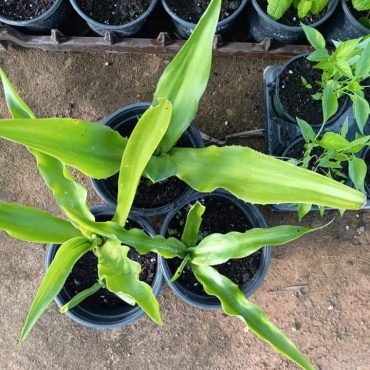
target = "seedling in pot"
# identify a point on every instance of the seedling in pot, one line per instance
(363, 7)
(277, 8)
(345, 71)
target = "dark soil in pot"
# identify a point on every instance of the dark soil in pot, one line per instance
(220, 217)
(24, 9)
(295, 97)
(114, 12)
(85, 274)
(192, 10)
(290, 18)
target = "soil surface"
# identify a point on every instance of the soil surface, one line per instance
(221, 216)
(290, 18)
(85, 274)
(114, 12)
(21, 10)
(295, 97)
(317, 289)
(192, 10)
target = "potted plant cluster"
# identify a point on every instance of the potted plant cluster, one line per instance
(321, 125)
(202, 243)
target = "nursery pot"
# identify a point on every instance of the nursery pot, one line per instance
(297, 90)
(220, 205)
(185, 28)
(102, 315)
(51, 18)
(163, 196)
(366, 157)
(126, 29)
(344, 25)
(261, 25)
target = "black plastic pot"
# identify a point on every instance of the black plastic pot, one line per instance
(253, 216)
(124, 120)
(365, 155)
(262, 25)
(106, 318)
(127, 29)
(280, 110)
(344, 25)
(52, 18)
(185, 28)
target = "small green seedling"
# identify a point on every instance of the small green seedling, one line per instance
(277, 8)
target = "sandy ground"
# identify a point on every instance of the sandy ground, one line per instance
(317, 289)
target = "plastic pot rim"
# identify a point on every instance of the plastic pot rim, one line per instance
(28, 22)
(267, 18)
(112, 27)
(136, 311)
(251, 286)
(188, 24)
(352, 18)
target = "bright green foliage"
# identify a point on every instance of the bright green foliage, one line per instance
(335, 152)
(185, 79)
(234, 303)
(344, 72)
(193, 221)
(217, 248)
(80, 297)
(143, 142)
(121, 276)
(33, 225)
(361, 5)
(247, 174)
(277, 8)
(57, 274)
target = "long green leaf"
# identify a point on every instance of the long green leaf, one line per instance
(143, 142)
(193, 221)
(234, 303)
(80, 297)
(121, 276)
(93, 148)
(70, 195)
(218, 248)
(33, 225)
(185, 79)
(257, 178)
(66, 257)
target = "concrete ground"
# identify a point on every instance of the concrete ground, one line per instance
(317, 288)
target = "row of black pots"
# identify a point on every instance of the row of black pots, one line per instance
(338, 22)
(105, 310)
(286, 97)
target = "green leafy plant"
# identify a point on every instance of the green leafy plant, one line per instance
(277, 8)
(344, 72)
(363, 6)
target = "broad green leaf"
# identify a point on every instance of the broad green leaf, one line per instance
(344, 128)
(358, 144)
(304, 7)
(33, 225)
(121, 276)
(346, 50)
(70, 195)
(318, 6)
(319, 55)
(303, 209)
(180, 269)
(307, 131)
(357, 172)
(361, 5)
(185, 79)
(333, 141)
(80, 297)
(219, 248)
(193, 221)
(257, 178)
(93, 148)
(277, 8)
(16, 105)
(66, 257)
(344, 68)
(329, 101)
(314, 37)
(234, 303)
(361, 111)
(142, 144)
